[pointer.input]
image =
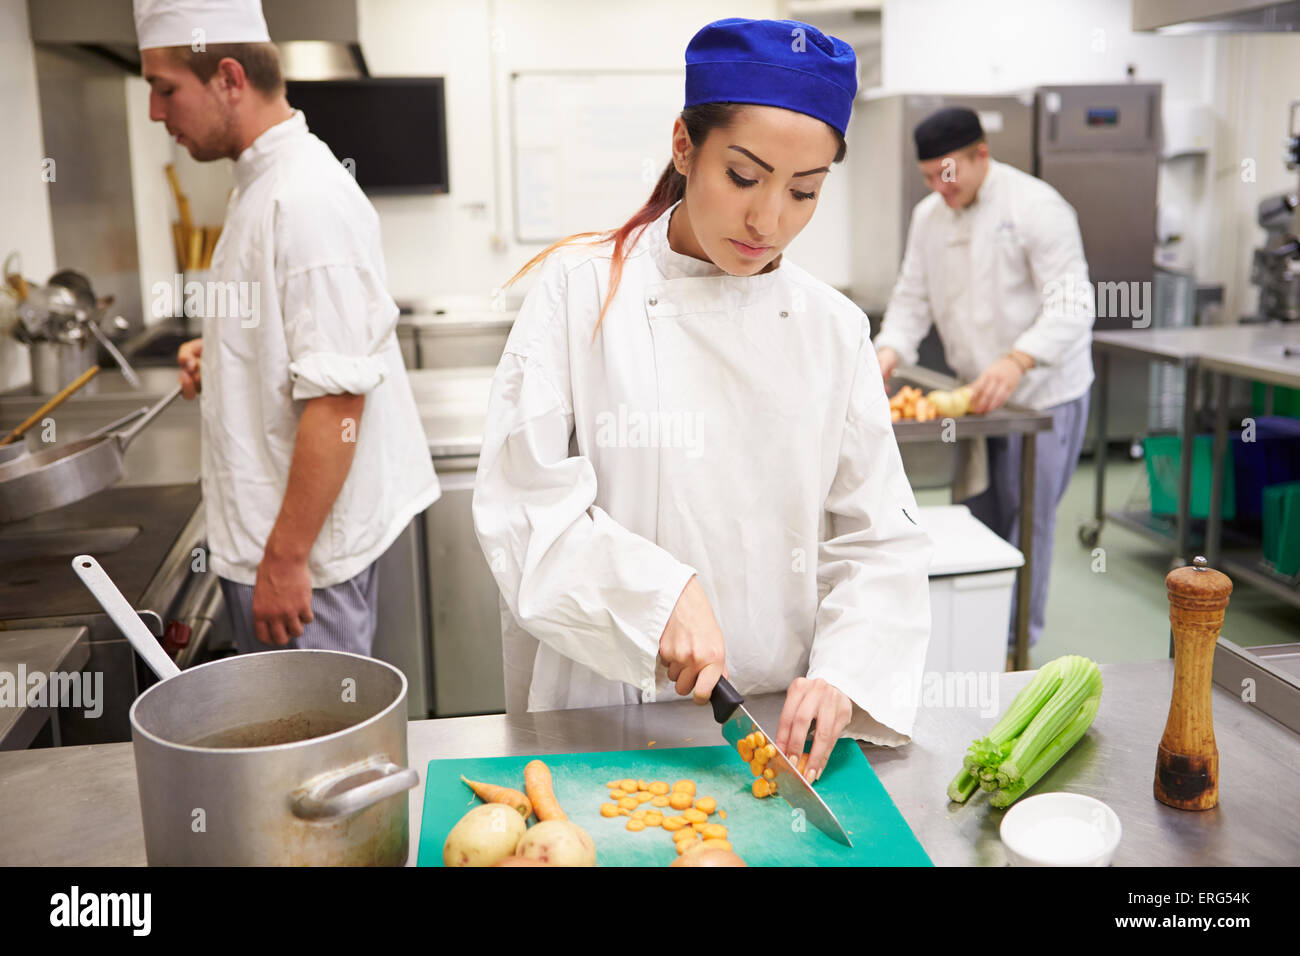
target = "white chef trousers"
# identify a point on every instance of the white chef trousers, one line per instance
(344, 616)
(998, 506)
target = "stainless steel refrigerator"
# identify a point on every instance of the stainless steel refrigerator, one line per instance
(1099, 147)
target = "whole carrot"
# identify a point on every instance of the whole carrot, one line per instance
(537, 781)
(492, 793)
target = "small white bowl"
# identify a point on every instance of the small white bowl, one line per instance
(1060, 829)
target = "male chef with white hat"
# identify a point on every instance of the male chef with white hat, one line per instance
(314, 458)
(995, 262)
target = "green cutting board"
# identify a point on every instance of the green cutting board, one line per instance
(764, 832)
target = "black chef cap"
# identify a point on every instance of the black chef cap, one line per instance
(949, 129)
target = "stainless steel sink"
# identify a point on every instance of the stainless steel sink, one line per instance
(29, 545)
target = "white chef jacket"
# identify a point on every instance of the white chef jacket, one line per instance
(1007, 272)
(300, 254)
(731, 427)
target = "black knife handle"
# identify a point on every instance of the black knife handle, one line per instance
(725, 699)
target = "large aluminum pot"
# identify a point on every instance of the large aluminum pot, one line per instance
(56, 363)
(225, 781)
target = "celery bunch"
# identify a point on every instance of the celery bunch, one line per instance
(1045, 720)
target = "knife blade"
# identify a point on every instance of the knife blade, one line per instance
(736, 724)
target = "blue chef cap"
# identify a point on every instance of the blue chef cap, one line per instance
(773, 63)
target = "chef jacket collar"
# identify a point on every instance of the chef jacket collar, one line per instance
(987, 188)
(674, 265)
(259, 154)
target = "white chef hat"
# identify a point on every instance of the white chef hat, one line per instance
(192, 22)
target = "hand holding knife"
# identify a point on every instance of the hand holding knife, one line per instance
(737, 723)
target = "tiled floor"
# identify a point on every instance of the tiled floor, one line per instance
(1122, 614)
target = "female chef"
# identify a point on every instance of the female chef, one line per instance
(688, 459)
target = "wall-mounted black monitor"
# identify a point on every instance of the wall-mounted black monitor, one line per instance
(394, 130)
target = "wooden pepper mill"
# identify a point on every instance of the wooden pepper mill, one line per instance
(1187, 762)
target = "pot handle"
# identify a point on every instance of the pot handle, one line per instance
(338, 795)
(124, 437)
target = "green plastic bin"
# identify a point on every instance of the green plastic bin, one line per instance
(1286, 401)
(1163, 454)
(1282, 527)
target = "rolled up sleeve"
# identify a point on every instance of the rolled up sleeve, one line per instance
(338, 315)
(336, 319)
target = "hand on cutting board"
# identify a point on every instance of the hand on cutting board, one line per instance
(805, 702)
(281, 600)
(692, 647)
(991, 390)
(188, 359)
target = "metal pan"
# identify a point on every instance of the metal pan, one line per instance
(287, 758)
(63, 474)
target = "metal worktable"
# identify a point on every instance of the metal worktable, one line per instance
(1008, 420)
(1256, 352)
(1275, 360)
(45, 651)
(1188, 349)
(78, 806)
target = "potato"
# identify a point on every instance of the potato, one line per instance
(484, 837)
(708, 856)
(521, 861)
(559, 842)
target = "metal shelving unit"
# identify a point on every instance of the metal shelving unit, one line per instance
(1268, 353)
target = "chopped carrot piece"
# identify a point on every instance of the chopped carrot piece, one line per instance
(635, 825)
(658, 788)
(608, 810)
(679, 800)
(695, 816)
(706, 804)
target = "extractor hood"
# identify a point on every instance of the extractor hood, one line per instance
(317, 39)
(1215, 16)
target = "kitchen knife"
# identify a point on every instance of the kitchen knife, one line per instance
(729, 711)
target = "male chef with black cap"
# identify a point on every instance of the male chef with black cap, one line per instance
(314, 459)
(994, 261)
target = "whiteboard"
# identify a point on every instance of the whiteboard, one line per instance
(588, 147)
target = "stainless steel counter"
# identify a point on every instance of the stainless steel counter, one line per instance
(46, 651)
(453, 406)
(1189, 345)
(1267, 352)
(78, 806)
